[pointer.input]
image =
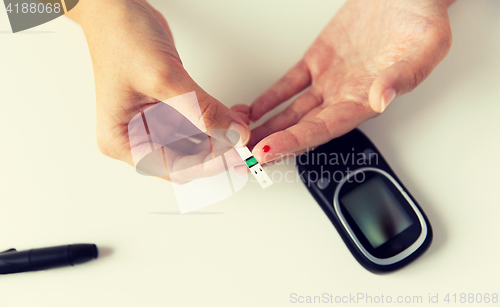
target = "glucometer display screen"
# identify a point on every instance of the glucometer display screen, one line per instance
(376, 211)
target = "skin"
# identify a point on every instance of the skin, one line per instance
(371, 52)
(136, 65)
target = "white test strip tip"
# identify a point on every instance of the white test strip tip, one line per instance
(254, 167)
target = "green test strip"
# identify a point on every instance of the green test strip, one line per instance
(254, 166)
(251, 161)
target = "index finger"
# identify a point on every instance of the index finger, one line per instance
(333, 121)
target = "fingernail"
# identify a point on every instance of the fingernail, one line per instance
(243, 134)
(387, 97)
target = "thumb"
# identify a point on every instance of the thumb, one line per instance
(219, 118)
(211, 116)
(416, 64)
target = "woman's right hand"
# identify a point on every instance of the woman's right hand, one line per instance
(136, 66)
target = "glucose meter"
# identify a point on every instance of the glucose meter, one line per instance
(380, 222)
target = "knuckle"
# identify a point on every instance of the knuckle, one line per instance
(286, 81)
(164, 83)
(159, 81)
(414, 76)
(209, 114)
(291, 138)
(355, 113)
(291, 115)
(417, 77)
(444, 37)
(322, 127)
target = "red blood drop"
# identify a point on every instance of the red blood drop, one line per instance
(266, 148)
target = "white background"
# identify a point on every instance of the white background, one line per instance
(257, 247)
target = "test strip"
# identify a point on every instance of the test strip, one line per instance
(254, 167)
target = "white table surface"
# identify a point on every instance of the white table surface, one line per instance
(56, 188)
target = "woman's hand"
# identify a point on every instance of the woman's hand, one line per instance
(136, 65)
(371, 52)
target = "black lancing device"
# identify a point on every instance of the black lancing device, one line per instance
(13, 261)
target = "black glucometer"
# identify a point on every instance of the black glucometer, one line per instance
(378, 219)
